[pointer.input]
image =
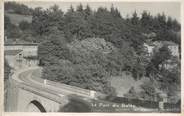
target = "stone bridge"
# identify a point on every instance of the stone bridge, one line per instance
(27, 93)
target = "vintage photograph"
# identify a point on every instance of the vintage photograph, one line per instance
(103, 57)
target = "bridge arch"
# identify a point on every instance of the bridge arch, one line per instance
(35, 106)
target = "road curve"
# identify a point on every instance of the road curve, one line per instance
(26, 76)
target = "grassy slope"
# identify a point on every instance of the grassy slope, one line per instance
(123, 83)
(17, 18)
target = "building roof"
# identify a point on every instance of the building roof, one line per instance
(12, 52)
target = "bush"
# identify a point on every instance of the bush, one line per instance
(24, 25)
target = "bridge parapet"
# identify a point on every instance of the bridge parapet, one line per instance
(54, 95)
(24, 90)
(72, 89)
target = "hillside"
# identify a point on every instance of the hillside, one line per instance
(123, 83)
(17, 18)
(84, 48)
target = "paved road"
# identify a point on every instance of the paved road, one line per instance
(35, 82)
(27, 76)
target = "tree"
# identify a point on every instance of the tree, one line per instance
(145, 18)
(76, 27)
(156, 25)
(162, 20)
(24, 25)
(44, 21)
(7, 22)
(79, 8)
(71, 9)
(14, 7)
(54, 8)
(88, 12)
(38, 21)
(148, 91)
(135, 18)
(115, 13)
(169, 23)
(155, 66)
(176, 25)
(146, 21)
(159, 57)
(84, 67)
(56, 18)
(170, 82)
(172, 24)
(13, 32)
(53, 47)
(102, 24)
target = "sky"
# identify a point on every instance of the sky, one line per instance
(126, 8)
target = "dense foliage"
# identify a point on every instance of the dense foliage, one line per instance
(85, 48)
(14, 7)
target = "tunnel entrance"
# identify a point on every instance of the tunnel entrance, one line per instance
(35, 106)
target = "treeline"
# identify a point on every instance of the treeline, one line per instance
(14, 7)
(87, 69)
(84, 22)
(68, 55)
(165, 27)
